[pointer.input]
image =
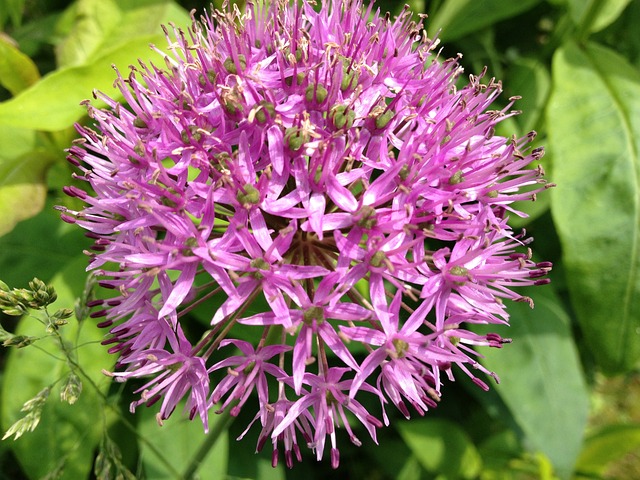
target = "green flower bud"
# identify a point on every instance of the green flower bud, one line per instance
(267, 110)
(295, 138)
(383, 119)
(316, 93)
(250, 196)
(231, 105)
(349, 78)
(139, 123)
(195, 134)
(313, 313)
(14, 311)
(230, 65)
(139, 148)
(459, 271)
(456, 178)
(367, 217)
(342, 117)
(378, 259)
(401, 347)
(260, 263)
(190, 243)
(404, 172)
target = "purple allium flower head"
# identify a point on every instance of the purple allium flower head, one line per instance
(315, 171)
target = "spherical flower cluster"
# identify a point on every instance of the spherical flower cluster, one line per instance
(315, 171)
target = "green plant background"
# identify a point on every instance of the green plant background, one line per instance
(568, 405)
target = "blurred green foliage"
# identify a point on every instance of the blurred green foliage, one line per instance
(567, 406)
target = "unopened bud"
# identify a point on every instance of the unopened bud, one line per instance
(316, 93)
(231, 66)
(383, 119)
(19, 341)
(250, 196)
(342, 117)
(71, 389)
(295, 138)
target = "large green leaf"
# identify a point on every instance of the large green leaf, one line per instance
(594, 15)
(17, 70)
(458, 18)
(245, 463)
(54, 102)
(178, 440)
(528, 78)
(22, 188)
(96, 25)
(147, 15)
(11, 9)
(441, 447)
(605, 446)
(541, 379)
(67, 434)
(22, 176)
(89, 22)
(594, 133)
(40, 247)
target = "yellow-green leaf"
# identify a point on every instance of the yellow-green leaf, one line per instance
(54, 102)
(441, 447)
(17, 70)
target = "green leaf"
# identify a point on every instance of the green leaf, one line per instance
(457, 18)
(498, 450)
(67, 434)
(93, 26)
(17, 70)
(541, 379)
(145, 16)
(54, 102)
(594, 135)
(38, 34)
(530, 79)
(22, 177)
(11, 9)
(16, 143)
(245, 463)
(38, 109)
(178, 440)
(594, 15)
(607, 445)
(411, 470)
(89, 23)
(396, 459)
(24, 254)
(22, 188)
(441, 447)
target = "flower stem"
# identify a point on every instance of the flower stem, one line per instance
(220, 426)
(75, 366)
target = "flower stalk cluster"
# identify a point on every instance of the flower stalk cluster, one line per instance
(18, 302)
(315, 171)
